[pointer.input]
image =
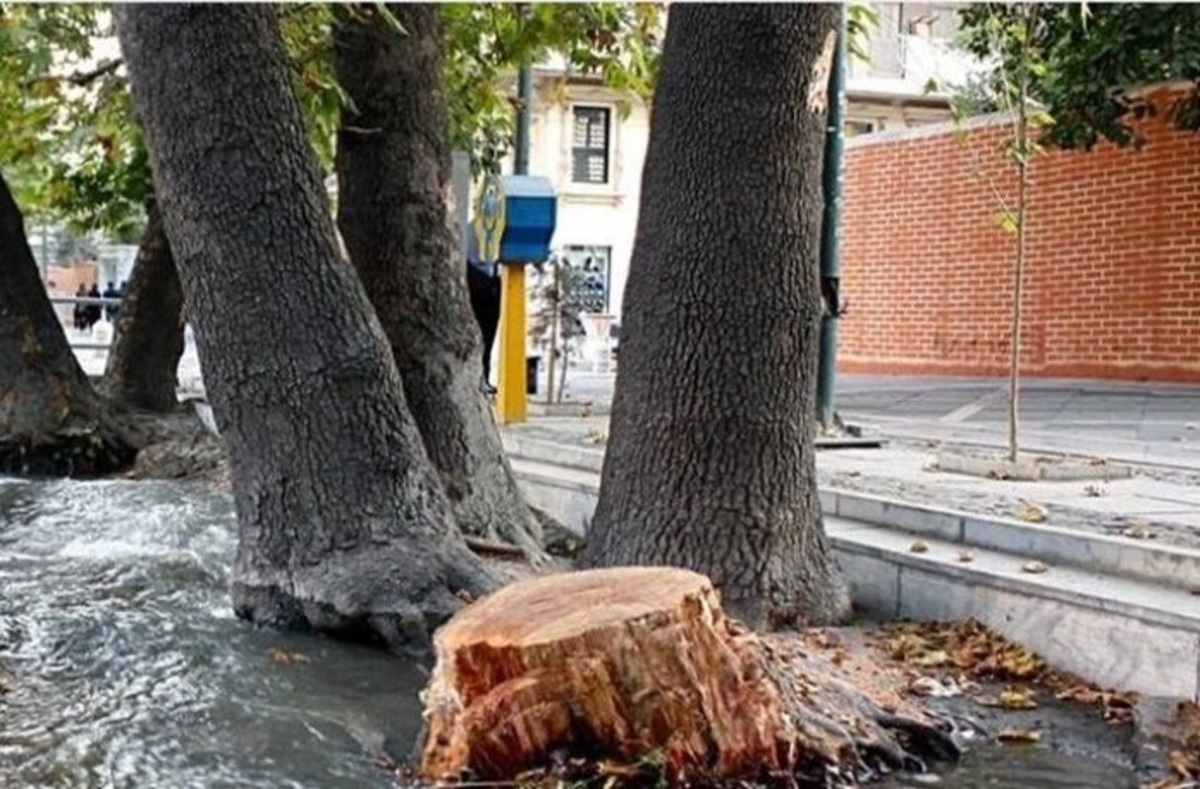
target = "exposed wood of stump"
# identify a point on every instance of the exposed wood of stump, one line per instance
(620, 664)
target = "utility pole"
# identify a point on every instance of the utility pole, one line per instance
(512, 378)
(831, 183)
(524, 115)
(45, 263)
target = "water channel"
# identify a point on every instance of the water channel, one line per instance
(127, 668)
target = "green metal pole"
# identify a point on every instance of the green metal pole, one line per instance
(524, 115)
(830, 251)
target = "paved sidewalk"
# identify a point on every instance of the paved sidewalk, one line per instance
(1154, 424)
(93, 360)
(1157, 503)
(1137, 422)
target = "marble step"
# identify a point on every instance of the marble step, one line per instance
(1120, 632)
(1126, 557)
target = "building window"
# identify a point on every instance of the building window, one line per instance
(589, 145)
(593, 267)
(855, 128)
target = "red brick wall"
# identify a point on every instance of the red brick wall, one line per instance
(1112, 284)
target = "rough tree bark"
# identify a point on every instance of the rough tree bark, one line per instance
(393, 165)
(710, 462)
(143, 365)
(344, 526)
(51, 420)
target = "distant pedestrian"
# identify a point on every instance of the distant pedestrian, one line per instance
(93, 310)
(483, 284)
(111, 310)
(80, 313)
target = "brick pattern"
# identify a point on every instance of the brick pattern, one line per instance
(1112, 285)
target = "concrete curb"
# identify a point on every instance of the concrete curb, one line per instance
(1117, 632)
(1079, 448)
(568, 408)
(553, 453)
(1062, 469)
(1114, 632)
(1121, 556)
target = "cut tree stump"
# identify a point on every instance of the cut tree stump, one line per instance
(623, 664)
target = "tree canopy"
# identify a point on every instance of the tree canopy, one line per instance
(1093, 58)
(73, 151)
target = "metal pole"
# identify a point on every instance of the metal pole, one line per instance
(524, 114)
(45, 251)
(512, 399)
(830, 248)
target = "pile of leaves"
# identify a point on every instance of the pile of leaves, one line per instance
(1184, 757)
(566, 772)
(953, 658)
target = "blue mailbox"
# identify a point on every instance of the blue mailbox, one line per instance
(530, 214)
(523, 209)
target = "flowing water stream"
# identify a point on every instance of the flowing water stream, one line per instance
(128, 668)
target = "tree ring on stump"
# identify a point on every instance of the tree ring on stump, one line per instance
(616, 663)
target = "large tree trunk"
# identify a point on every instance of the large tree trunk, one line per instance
(710, 462)
(393, 163)
(51, 420)
(143, 365)
(344, 526)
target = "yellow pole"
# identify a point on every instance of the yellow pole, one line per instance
(511, 399)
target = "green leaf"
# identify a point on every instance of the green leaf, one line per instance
(1007, 222)
(1079, 58)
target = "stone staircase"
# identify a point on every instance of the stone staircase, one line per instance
(1120, 612)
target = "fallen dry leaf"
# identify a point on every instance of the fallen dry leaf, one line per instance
(919, 547)
(904, 646)
(981, 654)
(596, 437)
(966, 556)
(1117, 707)
(1011, 698)
(1034, 567)
(931, 686)
(1187, 725)
(931, 659)
(1018, 735)
(1186, 765)
(1032, 513)
(282, 657)
(824, 639)
(615, 769)
(970, 647)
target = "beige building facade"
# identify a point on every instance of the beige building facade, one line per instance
(591, 141)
